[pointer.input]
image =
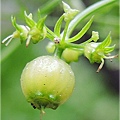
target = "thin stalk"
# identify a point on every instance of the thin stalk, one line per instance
(88, 41)
(58, 52)
(72, 45)
(88, 11)
(50, 32)
(65, 31)
(49, 37)
(42, 112)
(49, 6)
(82, 32)
(57, 27)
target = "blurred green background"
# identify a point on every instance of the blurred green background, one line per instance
(95, 96)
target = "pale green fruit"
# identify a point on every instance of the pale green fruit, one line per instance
(70, 55)
(47, 82)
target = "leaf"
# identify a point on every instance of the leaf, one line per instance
(57, 27)
(106, 42)
(18, 27)
(41, 22)
(109, 49)
(29, 20)
(82, 32)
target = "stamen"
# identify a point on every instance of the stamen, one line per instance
(101, 65)
(27, 28)
(7, 38)
(28, 40)
(8, 41)
(110, 57)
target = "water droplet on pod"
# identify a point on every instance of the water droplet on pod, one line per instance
(52, 97)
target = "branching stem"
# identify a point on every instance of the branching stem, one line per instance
(88, 11)
(68, 30)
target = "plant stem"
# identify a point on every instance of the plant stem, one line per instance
(92, 9)
(82, 32)
(57, 27)
(51, 32)
(88, 41)
(49, 37)
(65, 31)
(49, 6)
(42, 112)
(58, 52)
(88, 11)
(72, 45)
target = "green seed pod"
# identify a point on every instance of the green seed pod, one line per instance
(47, 82)
(50, 47)
(70, 55)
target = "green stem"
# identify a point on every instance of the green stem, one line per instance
(49, 6)
(88, 41)
(72, 45)
(49, 37)
(57, 27)
(42, 112)
(58, 52)
(65, 31)
(50, 32)
(88, 11)
(77, 47)
(82, 32)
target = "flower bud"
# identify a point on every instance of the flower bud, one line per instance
(69, 13)
(50, 47)
(37, 30)
(97, 52)
(21, 32)
(70, 55)
(95, 36)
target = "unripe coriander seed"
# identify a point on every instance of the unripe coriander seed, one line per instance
(47, 82)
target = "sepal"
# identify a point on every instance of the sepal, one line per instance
(28, 18)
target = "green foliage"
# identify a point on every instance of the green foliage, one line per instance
(37, 31)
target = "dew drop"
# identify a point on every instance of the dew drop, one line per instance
(51, 97)
(38, 93)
